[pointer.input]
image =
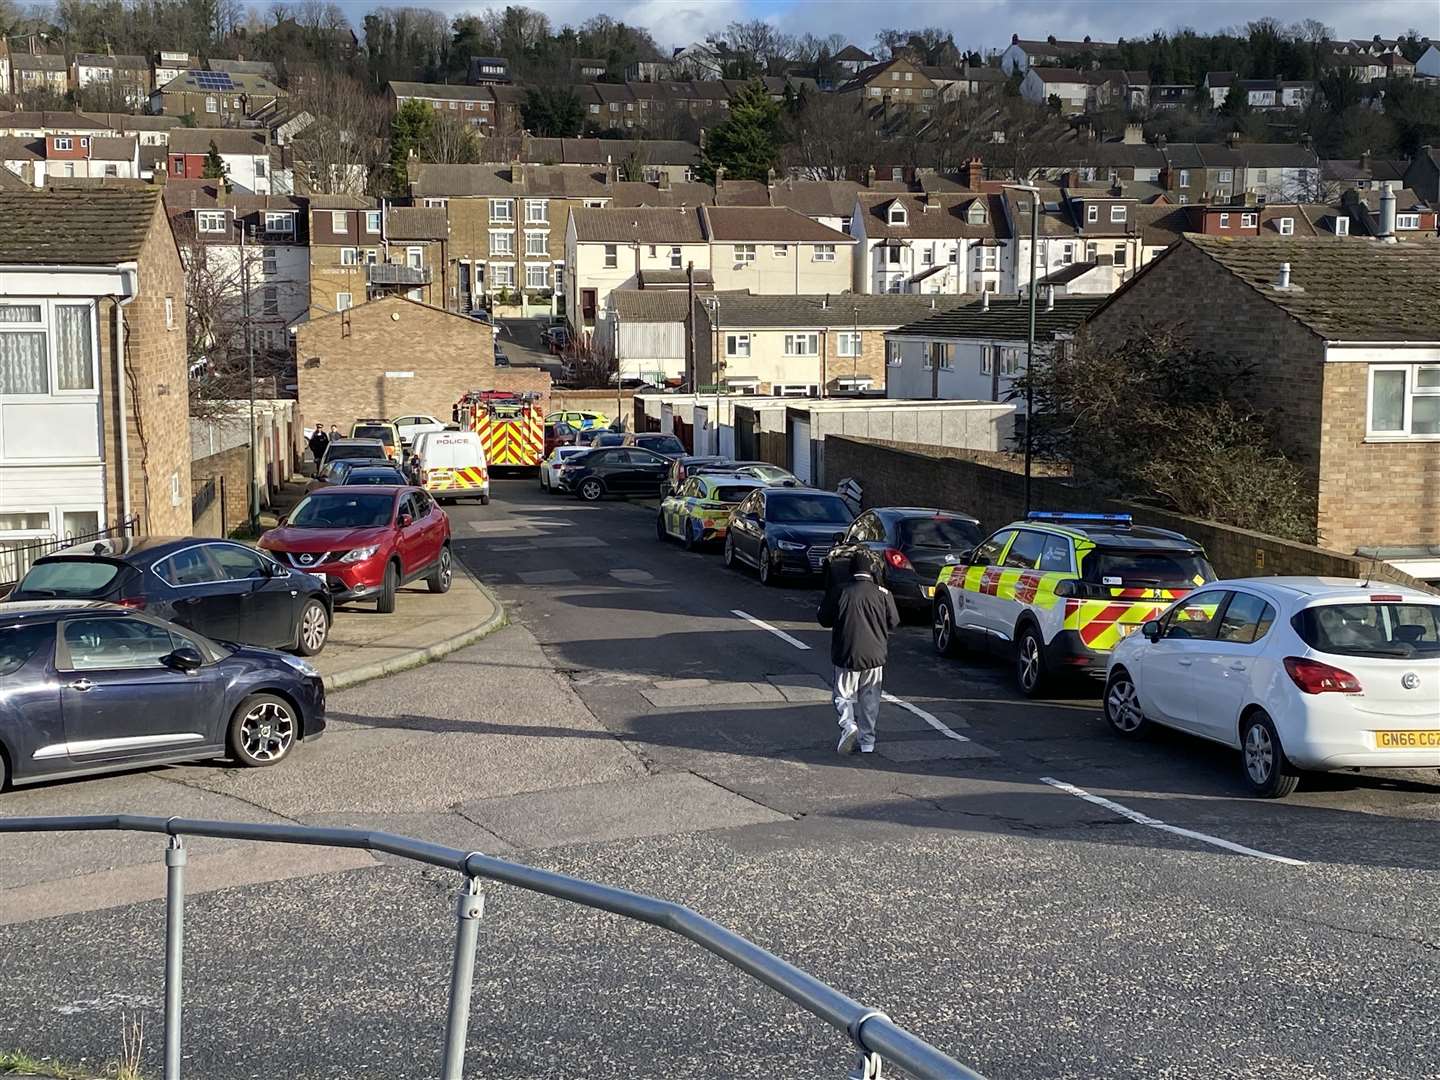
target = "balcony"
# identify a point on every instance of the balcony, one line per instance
(396, 274)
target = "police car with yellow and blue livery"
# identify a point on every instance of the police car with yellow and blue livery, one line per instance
(1057, 591)
(699, 512)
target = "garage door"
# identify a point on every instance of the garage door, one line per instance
(800, 450)
(704, 437)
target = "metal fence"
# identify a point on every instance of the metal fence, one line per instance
(874, 1034)
(202, 498)
(16, 556)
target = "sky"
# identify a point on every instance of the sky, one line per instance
(976, 24)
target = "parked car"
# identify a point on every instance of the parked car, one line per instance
(1295, 673)
(224, 590)
(549, 480)
(480, 315)
(561, 434)
(93, 687)
(607, 438)
(415, 424)
(766, 473)
(700, 511)
(365, 543)
(614, 470)
(360, 475)
(681, 468)
(451, 465)
(912, 545)
(556, 338)
(578, 419)
(383, 430)
(667, 445)
(354, 450)
(335, 470)
(785, 531)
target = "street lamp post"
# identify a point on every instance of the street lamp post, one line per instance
(254, 501)
(1030, 336)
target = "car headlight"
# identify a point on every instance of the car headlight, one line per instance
(360, 554)
(789, 545)
(304, 667)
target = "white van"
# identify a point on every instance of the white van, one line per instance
(451, 465)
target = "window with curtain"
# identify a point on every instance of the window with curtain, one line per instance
(24, 364)
(74, 348)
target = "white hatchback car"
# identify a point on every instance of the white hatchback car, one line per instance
(1296, 673)
(549, 477)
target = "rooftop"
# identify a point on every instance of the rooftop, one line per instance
(767, 224)
(840, 310)
(637, 225)
(1005, 319)
(417, 223)
(75, 226)
(227, 141)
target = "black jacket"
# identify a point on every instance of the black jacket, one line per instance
(863, 614)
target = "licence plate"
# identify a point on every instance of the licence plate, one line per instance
(1407, 740)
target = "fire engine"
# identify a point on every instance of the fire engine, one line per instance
(511, 425)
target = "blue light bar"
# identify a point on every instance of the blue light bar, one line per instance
(1058, 515)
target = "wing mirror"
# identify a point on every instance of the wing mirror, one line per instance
(965, 554)
(406, 521)
(184, 659)
(1151, 630)
(979, 560)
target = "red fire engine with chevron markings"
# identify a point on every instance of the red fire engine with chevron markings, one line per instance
(1057, 591)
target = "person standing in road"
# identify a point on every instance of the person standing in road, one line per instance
(861, 614)
(318, 442)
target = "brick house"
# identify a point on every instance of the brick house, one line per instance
(893, 83)
(929, 243)
(394, 356)
(245, 154)
(800, 346)
(215, 97)
(118, 78)
(361, 249)
(39, 73)
(93, 371)
(1348, 356)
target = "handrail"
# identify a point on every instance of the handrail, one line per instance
(872, 1032)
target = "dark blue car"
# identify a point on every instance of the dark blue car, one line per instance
(90, 687)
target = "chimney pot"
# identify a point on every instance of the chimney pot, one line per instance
(1050, 298)
(1283, 281)
(985, 300)
(1387, 211)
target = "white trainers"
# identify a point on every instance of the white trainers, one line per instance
(847, 739)
(867, 748)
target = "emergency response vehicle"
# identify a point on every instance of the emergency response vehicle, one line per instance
(451, 465)
(1057, 591)
(511, 425)
(700, 511)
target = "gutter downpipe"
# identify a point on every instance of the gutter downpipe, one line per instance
(131, 272)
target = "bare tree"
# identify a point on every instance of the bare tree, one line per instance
(832, 139)
(450, 142)
(342, 151)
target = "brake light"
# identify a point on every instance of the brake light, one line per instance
(135, 603)
(897, 559)
(1386, 598)
(1314, 677)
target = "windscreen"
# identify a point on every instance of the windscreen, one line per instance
(375, 431)
(336, 511)
(358, 451)
(1158, 569)
(68, 577)
(938, 532)
(1371, 629)
(808, 510)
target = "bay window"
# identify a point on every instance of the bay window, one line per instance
(47, 347)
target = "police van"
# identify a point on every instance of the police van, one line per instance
(1057, 591)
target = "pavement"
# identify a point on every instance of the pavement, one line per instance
(641, 721)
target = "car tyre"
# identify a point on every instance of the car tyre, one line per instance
(943, 630)
(263, 730)
(1267, 770)
(591, 490)
(385, 603)
(688, 538)
(484, 500)
(544, 484)
(660, 533)
(314, 628)
(768, 574)
(444, 572)
(729, 554)
(1122, 705)
(1030, 671)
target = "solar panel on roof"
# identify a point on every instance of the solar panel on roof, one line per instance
(212, 80)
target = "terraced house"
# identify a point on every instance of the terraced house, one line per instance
(361, 249)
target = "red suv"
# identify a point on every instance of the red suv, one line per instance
(365, 542)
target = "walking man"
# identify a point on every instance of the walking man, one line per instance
(862, 614)
(318, 442)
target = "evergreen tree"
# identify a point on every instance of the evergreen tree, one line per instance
(552, 111)
(747, 141)
(1237, 101)
(215, 166)
(410, 128)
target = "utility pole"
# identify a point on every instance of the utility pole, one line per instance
(690, 326)
(1030, 343)
(250, 371)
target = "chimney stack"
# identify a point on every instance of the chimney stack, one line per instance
(719, 177)
(1365, 161)
(664, 183)
(1050, 298)
(769, 178)
(1283, 281)
(1387, 212)
(974, 173)
(985, 300)
(825, 302)
(870, 177)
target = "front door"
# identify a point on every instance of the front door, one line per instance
(1223, 666)
(118, 700)
(1167, 668)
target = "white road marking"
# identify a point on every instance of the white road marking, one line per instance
(1155, 823)
(934, 721)
(773, 629)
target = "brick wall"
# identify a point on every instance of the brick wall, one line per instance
(328, 278)
(228, 469)
(343, 362)
(870, 364)
(897, 474)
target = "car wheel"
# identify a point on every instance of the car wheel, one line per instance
(439, 579)
(947, 639)
(544, 484)
(729, 555)
(660, 533)
(484, 500)
(385, 603)
(768, 574)
(263, 728)
(314, 628)
(592, 490)
(688, 537)
(1122, 704)
(1030, 670)
(1267, 770)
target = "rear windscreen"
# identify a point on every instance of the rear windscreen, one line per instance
(69, 577)
(1154, 568)
(939, 533)
(359, 451)
(366, 431)
(1370, 629)
(732, 494)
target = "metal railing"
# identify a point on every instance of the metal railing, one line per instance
(396, 274)
(203, 496)
(17, 555)
(874, 1034)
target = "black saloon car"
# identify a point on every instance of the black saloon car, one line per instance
(785, 531)
(911, 545)
(375, 474)
(224, 590)
(614, 470)
(88, 687)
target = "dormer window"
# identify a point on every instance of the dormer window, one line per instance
(1117, 214)
(1286, 226)
(1342, 226)
(210, 221)
(896, 214)
(976, 214)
